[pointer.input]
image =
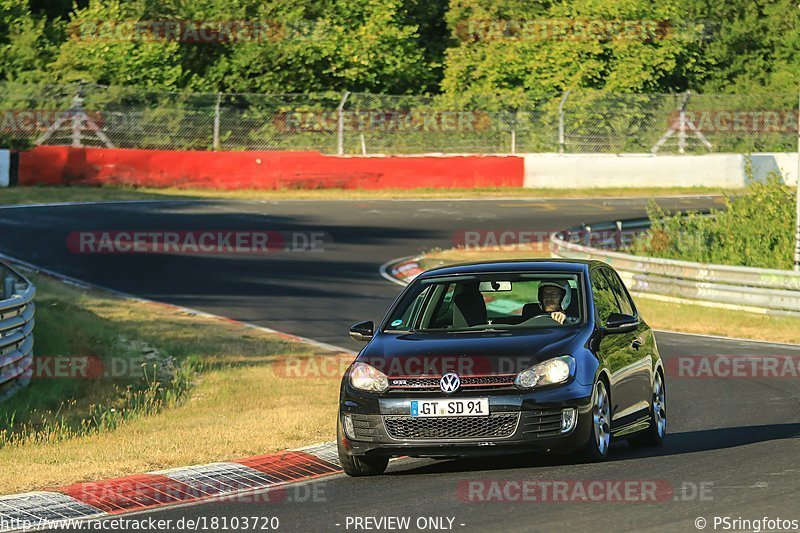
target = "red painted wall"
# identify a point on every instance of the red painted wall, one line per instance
(261, 170)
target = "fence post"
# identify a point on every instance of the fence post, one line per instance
(340, 125)
(682, 125)
(75, 115)
(561, 121)
(215, 141)
(513, 124)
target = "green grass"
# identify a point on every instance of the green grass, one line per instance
(44, 194)
(210, 390)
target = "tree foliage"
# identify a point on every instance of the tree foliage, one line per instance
(755, 230)
(471, 51)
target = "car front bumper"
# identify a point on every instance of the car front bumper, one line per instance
(372, 429)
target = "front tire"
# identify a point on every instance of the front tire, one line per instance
(655, 434)
(596, 448)
(355, 465)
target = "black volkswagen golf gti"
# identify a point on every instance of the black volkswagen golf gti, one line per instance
(503, 357)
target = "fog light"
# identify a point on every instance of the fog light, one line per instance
(348, 427)
(568, 419)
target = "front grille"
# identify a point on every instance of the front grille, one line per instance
(494, 426)
(430, 384)
(542, 423)
(366, 427)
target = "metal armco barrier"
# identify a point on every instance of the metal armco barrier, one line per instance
(760, 289)
(16, 331)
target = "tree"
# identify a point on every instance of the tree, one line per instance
(27, 42)
(753, 46)
(520, 53)
(357, 45)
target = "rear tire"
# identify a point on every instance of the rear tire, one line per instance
(655, 434)
(596, 448)
(357, 465)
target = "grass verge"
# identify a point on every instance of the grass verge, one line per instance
(684, 317)
(43, 194)
(178, 390)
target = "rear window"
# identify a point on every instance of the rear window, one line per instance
(488, 302)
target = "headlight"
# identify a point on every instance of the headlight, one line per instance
(368, 378)
(550, 372)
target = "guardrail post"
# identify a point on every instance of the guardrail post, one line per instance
(618, 238)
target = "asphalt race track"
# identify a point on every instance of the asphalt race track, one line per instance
(732, 448)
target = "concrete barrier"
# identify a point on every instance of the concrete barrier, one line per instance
(312, 170)
(578, 171)
(262, 169)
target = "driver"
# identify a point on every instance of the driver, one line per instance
(554, 299)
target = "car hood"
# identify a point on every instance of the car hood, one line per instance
(466, 353)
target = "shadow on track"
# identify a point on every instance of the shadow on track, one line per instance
(676, 444)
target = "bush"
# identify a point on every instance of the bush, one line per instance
(755, 230)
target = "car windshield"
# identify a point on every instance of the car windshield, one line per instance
(489, 303)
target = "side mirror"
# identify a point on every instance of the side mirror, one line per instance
(621, 323)
(363, 331)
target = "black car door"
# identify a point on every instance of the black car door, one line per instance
(615, 349)
(640, 347)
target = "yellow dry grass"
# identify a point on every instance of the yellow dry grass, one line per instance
(245, 400)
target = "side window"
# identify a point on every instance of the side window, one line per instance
(442, 313)
(619, 291)
(604, 301)
(404, 321)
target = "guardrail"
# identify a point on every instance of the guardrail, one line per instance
(16, 331)
(754, 289)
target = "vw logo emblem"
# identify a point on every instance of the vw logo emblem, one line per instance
(450, 382)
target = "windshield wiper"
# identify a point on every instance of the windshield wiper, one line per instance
(485, 330)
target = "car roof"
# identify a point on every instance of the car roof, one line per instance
(521, 265)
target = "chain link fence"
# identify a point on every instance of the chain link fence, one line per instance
(360, 123)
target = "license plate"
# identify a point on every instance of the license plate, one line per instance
(471, 407)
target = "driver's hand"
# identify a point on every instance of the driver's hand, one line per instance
(558, 316)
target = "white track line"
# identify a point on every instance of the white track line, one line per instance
(88, 285)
